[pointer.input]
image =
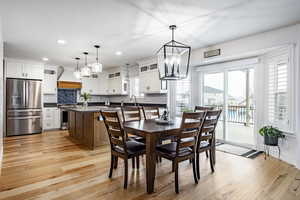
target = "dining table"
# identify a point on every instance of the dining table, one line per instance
(152, 132)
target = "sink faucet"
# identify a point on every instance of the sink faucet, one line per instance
(133, 97)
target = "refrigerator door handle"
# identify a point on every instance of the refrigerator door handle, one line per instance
(29, 117)
(24, 93)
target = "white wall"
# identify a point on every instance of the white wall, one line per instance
(1, 96)
(257, 45)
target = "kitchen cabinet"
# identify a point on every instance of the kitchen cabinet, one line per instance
(95, 86)
(117, 84)
(51, 118)
(24, 70)
(50, 81)
(149, 79)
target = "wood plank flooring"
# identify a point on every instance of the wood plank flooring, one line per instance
(51, 166)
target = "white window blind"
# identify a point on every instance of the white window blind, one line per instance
(278, 91)
(183, 95)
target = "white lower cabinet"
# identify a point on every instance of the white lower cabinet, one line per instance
(51, 118)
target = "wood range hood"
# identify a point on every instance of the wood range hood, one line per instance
(68, 85)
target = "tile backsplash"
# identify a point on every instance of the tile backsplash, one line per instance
(66, 96)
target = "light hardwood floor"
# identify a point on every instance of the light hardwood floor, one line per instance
(50, 166)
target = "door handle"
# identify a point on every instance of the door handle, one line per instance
(30, 117)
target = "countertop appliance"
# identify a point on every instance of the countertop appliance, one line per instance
(24, 106)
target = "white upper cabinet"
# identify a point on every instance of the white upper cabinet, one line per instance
(95, 86)
(50, 80)
(24, 70)
(117, 82)
(149, 78)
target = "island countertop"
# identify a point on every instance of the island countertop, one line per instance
(93, 109)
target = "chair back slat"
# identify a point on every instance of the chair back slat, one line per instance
(131, 113)
(207, 131)
(190, 126)
(151, 112)
(203, 108)
(114, 129)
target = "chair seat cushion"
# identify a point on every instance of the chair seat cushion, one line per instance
(204, 144)
(133, 147)
(137, 138)
(170, 150)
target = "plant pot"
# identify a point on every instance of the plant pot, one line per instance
(271, 140)
(85, 104)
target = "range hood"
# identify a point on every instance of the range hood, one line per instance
(68, 85)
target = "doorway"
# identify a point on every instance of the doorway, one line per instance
(232, 90)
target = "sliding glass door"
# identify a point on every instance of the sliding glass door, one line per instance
(233, 92)
(213, 93)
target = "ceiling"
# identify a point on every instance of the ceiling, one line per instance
(138, 28)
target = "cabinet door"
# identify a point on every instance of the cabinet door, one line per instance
(34, 71)
(50, 84)
(48, 118)
(14, 69)
(56, 118)
(102, 84)
(155, 82)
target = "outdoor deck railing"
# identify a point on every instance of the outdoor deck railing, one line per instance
(238, 114)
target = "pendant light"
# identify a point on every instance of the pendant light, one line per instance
(173, 59)
(97, 67)
(77, 72)
(85, 70)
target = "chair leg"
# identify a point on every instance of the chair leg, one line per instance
(206, 152)
(173, 166)
(133, 163)
(138, 162)
(198, 165)
(126, 173)
(115, 162)
(194, 170)
(176, 178)
(111, 166)
(211, 161)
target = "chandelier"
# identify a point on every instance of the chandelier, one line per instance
(173, 59)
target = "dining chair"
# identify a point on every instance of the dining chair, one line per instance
(120, 146)
(150, 112)
(203, 108)
(132, 113)
(184, 146)
(206, 138)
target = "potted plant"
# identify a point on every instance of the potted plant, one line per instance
(271, 135)
(86, 97)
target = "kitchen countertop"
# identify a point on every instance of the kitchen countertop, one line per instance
(92, 109)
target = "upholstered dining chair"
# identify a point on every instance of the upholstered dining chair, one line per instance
(206, 138)
(150, 112)
(132, 113)
(120, 146)
(185, 144)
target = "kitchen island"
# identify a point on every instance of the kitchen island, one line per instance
(87, 127)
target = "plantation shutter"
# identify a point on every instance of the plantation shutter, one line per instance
(278, 107)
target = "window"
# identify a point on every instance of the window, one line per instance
(279, 92)
(183, 95)
(134, 83)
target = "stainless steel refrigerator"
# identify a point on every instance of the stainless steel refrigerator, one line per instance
(24, 106)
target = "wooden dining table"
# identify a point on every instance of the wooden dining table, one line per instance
(152, 131)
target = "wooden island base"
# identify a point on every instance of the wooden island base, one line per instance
(87, 128)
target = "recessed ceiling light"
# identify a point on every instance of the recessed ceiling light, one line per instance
(61, 41)
(45, 59)
(118, 53)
